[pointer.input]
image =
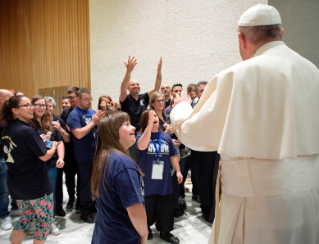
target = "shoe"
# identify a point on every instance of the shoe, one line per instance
(77, 207)
(60, 212)
(182, 203)
(150, 234)
(87, 217)
(170, 238)
(70, 205)
(185, 153)
(33, 227)
(196, 198)
(15, 212)
(54, 229)
(6, 223)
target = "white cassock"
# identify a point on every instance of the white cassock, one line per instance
(262, 116)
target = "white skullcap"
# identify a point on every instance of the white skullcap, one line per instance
(260, 14)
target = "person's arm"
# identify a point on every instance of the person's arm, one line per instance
(60, 151)
(137, 215)
(158, 80)
(66, 136)
(145, 138)
(175, 164)
(49, 153)
(125, 83)
(79, 133)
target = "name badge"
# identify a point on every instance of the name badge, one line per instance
(157, 170)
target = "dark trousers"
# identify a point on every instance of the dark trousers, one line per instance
(186, 165)
(205, 164)
(70, 170)
(177, 211)
(85, 173)
(159, 211)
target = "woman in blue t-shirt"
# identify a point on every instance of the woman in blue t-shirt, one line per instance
(117, 185)
(157, 153)
(28, 180)
(41, 122)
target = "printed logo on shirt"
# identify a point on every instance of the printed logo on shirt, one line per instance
(142, 102)
(87, 118)
(142, 185)
(8, 150)
(164, 147)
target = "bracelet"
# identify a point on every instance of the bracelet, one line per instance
(63, 132)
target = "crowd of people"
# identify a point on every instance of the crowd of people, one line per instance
(131, 158)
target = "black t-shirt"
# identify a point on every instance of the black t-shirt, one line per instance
(69, 146)
(27, 174)
(51, 163)
(135, 108)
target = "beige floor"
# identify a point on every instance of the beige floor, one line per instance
(193, 230)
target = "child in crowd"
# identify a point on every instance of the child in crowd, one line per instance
(156, 153)
(117, 184)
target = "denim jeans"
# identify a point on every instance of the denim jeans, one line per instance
(53, 173)
(4, 193)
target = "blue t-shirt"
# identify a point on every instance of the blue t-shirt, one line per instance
(27, 174)
(121, 188)
(145, 161)
(84, 148)
(135, 108)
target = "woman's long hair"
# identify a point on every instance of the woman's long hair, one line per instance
(6, 113)
(108, 141)
(144, 121)
(45, 119)
(101, 98)
(153, 97)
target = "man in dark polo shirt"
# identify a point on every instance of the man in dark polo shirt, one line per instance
(135, 103)
(166, 90)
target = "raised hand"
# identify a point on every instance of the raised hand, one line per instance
(131, 62)
(179, 98)
(115, 105)
(159, 65)
(151, 118)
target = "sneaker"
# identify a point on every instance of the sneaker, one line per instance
(182, 203)
(170, 238)
(185, 153)
(6, 223)
(60, 212)
(87, 217)
(150, 234)
(33, 227)
(70, 205)
(54, 229)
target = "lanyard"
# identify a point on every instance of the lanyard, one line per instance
(83, 112)
(159, 145)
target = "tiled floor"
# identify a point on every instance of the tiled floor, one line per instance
(193, 230)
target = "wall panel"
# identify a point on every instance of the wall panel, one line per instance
(44, 44)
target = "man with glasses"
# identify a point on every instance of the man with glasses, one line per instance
(166, 90)
(135, 103)
(83, 123)
(71, 168)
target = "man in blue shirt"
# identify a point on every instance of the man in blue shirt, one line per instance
(83, 123)
(135, 103)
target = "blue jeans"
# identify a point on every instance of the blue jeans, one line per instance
(53, 173)
(4, 193)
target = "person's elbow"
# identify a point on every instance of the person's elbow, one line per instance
(77, 133)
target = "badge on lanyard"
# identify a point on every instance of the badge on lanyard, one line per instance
(158, 166)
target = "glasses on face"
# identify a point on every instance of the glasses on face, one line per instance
(159, 101)
(71, 97)
(39, 105)
(27, 105)
(88, 99)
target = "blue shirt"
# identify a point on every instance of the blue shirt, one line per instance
(84, 148)
(121, 188)
(145, 162)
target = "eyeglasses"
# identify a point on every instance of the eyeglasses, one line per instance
(159, 101)
(39, 105)
(71, 97)
(27, 105)
(88, 99)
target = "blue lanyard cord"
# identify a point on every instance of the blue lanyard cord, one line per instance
(83, 112)
(159, 145)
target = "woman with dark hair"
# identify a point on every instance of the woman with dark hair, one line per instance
(41, 122)
(106, 103)
(28, 181)
(157, 153)
(117, 185)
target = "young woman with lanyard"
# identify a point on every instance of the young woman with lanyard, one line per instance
(157, 153)
(28, 180)
(117, 185)
(42, 124)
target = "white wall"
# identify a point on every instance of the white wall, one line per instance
(196, 39)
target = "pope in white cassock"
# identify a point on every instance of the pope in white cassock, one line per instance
(262, 116)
